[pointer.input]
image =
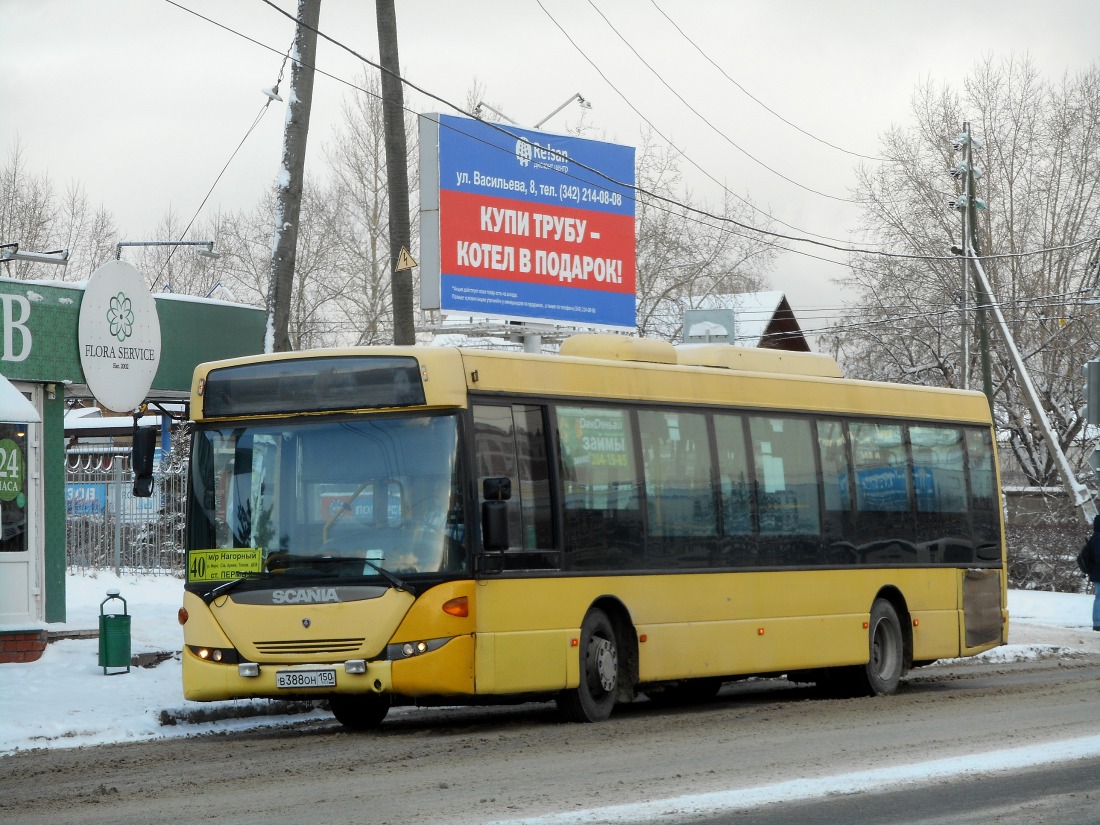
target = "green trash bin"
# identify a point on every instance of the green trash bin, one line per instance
(114, 636)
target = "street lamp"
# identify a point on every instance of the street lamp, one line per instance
(205, 248)
(483, 105)
(10, 252)
(581, 100)
(584, 104)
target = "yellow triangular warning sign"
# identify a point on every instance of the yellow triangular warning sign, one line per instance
(404, 260)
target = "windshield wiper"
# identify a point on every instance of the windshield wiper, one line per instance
(392, 578)
(221, 589)
(397, 582)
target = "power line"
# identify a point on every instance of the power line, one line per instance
(186, 229)
(702, 213)
(699, 114)
(755, 99)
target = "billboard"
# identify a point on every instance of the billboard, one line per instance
(520, 224)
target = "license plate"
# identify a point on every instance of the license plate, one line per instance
(305, 678)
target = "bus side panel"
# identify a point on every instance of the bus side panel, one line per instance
(525, 661)
(685, 651)
(936, 635)
(708, 624)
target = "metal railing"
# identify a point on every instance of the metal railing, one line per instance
(107, 527)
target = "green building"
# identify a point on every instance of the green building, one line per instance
(108, 340)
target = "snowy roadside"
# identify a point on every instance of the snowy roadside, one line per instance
(64, 699)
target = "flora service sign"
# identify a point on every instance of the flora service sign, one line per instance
(119, 336)
(523, 224)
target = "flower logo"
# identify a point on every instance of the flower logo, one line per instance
(121, 317)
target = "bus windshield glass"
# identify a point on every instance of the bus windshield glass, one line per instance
(336, 498)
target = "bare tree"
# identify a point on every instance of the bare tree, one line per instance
(1042, 185)
(35, 217)
(320, 271)
(682, 256)
(89, 233)
(360, 209)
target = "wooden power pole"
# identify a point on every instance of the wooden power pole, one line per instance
(291, 175)
(397, 173)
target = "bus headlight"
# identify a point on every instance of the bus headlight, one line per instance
(406, 650)
(222, 655)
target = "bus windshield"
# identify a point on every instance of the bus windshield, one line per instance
(345, 498)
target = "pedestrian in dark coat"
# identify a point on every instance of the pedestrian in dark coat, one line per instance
(1091, 555)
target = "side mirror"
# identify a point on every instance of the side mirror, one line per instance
(141, 460)
(496, 488)
(495, 492)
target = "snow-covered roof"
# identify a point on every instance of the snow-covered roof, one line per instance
(752, 312)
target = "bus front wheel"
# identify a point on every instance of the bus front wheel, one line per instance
(359, 711)
(594, 697)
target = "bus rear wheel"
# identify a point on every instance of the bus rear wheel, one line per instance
(359, 711)
(594, 697)
(882, 674)
(885, 660)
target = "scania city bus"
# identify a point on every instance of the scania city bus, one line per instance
(418, 525)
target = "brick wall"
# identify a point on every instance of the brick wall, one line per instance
(22, 646)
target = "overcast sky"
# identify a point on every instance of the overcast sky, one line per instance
(142, 102)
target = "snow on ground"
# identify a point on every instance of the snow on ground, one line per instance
(64, 699)
(677, 808)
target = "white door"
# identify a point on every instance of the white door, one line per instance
(22, 563)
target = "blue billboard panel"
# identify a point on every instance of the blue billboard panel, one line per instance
(525, 224)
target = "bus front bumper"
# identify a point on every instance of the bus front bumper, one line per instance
(209, 681)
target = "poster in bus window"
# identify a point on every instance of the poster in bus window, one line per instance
(882, 489)
(594, 438)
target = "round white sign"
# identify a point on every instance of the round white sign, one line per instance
(119, 336)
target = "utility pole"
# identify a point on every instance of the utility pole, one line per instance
(969, 204)
(964, 357)
(970, 236)
(291, 176)
(397, 172)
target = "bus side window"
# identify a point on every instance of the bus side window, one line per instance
(602, 510)
(984, 507)
(836, 492)
(939, 487)
(495, 449)
(676, 456)
(884, 516)
(735, 480)
(510, 442)
(787, 496)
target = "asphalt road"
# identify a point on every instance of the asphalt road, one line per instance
(519, 763)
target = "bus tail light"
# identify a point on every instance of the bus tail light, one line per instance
(459, 606)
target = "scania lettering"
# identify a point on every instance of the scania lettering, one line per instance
(315, 595)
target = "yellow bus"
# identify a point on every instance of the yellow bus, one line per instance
(419, 525)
